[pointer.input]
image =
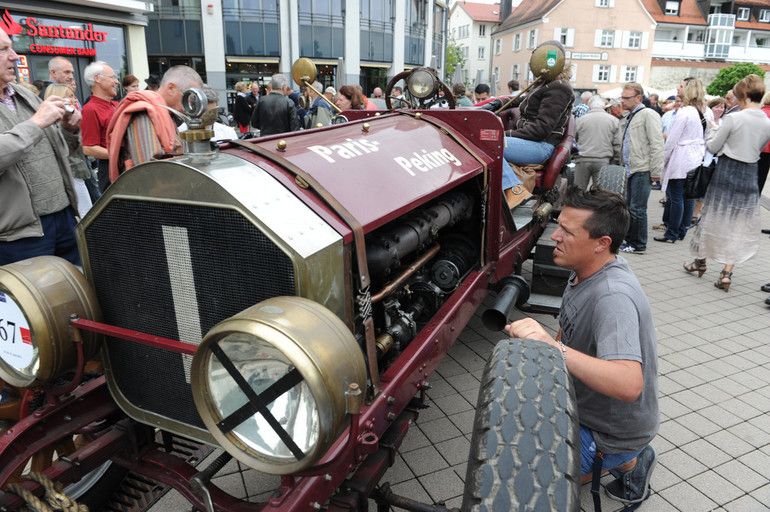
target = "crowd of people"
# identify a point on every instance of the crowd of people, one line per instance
(46, 183)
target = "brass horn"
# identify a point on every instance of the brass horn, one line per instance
(304, 72)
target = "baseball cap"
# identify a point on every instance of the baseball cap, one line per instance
(331, 90)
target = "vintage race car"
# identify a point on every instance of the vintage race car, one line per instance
(286, 299)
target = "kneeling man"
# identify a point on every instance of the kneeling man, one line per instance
(607, 338)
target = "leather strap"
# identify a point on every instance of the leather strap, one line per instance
(596, 476)
(364, 299)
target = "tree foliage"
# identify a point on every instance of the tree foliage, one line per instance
(729, 76)
(454, 59)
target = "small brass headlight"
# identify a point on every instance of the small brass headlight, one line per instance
(37, 298)
(421, 83)
(269, 382)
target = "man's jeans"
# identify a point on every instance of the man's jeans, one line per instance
(637, 194)
(677, 213)
(587, 168)
(58, 240)
(588, 452)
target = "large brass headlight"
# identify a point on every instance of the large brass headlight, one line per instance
(37, 298)
(269, 382)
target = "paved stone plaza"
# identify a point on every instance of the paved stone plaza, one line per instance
(714, 442)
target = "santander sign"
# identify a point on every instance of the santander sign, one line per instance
(36, 29)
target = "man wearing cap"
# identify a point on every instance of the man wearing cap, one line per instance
(37, 201)
(330, 92)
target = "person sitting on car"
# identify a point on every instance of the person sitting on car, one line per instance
(542, 122)
(607, 338)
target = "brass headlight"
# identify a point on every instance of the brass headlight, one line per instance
(269, 382)
(421, 83)
(37, 298)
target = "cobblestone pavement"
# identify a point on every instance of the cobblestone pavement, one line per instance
(714, 442)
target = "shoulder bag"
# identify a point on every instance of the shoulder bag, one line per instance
(697, 181)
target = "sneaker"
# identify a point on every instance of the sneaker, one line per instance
(659, 227)
(634, 486)
(630, 249)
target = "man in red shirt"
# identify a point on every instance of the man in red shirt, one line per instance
(97, 113)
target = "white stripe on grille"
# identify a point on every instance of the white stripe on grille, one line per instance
(180, 273)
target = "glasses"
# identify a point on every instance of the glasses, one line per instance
(628, 97)
(111, 77)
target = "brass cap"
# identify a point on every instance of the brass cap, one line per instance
(281, 145)
(197, 135)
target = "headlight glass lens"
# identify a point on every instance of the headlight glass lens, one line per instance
(421, 84)
(17, 350)
(262, 365)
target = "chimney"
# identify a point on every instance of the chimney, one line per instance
(506, 8)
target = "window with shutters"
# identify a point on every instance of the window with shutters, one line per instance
(532, 42)
(517, 42)
(607, 38)
(498, 46)
(635, 40)
(482, 30)
(602, 73)
(563, 35)
(482, 52)
(630, 74)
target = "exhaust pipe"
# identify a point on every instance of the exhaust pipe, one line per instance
(514, 291)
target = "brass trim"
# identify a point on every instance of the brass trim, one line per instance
(49, 290)
(228, 181)
(317, 343)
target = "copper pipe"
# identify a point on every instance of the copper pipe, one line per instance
(406, 274)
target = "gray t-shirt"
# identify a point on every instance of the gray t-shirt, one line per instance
(608, 316)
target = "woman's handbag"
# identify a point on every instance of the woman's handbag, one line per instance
(697, 181)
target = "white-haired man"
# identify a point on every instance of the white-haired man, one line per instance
(175, 82)
(276, 112)
(582, 108)
(37, 201)
(595, 134)
(97, 112)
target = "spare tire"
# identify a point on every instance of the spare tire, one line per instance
(525, 445)
(612, 178)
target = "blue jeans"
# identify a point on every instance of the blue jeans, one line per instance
(588, 452)
(522, 151)
(637, 194)
(58, 240)
(678, 210)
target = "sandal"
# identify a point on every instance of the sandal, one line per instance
(724, 281)
(698, 265)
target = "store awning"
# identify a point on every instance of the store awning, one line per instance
(253, 60)
(384, 65)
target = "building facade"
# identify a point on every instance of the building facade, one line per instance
(697, 38)
(364, 41)
(607, 42)
(107, 30)
(470, 28)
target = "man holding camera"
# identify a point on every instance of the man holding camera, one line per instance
(38, 210)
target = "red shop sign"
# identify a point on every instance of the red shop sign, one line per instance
(35, 29)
